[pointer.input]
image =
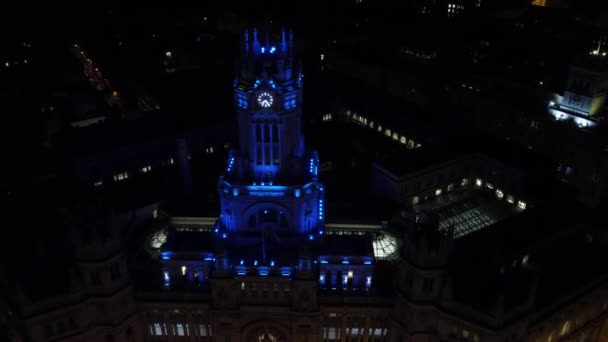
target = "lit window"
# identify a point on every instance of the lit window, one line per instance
(438, 192)
(464, 182)
(478, 182)
(395, 136)
(510, 199)
(156, 329)
(168, 54)
(322, 57)
(121, 176)
(243, 286)
(146, 169)
(489, 186)
(379, 128)
(403, 140)
(204, 330)
(465, 333)
(415, 200)
(450, 187)
(181, 329)
(350, 274)
(184, 270)
(521, 204)
(524, 261)
(387, 132)
(98, 183)
(499, 194)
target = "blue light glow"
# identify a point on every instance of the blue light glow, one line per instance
(224, 235)
(321, 210)
(273, 49)
(208, 259)
(368, 262)
(263, 49)
(272, 263)
(322, 279)
(311, 237)
(242, 262)
(324, 261)
(297, 193)
(320, 232)
(167, 278)
(241, 270)
(216, 230)
(230, 164)
(166, 255)
(285, 271)
(346, 262)
(255, 263)
(264, 270)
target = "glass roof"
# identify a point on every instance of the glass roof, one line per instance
(386, 247)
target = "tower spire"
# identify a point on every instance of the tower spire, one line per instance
(256, 43)
(283, 42)
(291, 41)
(246, 41)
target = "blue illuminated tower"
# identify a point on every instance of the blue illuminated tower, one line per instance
(271, 188)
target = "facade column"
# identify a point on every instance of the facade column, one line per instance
(366, 337)
(253, 144)
(263, 142)
(343, 337)
(280, 142)
(191, 327)
(271, 143)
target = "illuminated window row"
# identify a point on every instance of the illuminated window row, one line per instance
(464, 334)
(521, 204)
(354, 333)
(193, 229)
(178, 329)
(361, 120)
(344, 232)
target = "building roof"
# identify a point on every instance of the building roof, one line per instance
(529, 260)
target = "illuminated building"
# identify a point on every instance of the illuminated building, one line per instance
(272, 267)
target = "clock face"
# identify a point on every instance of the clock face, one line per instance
(265, 99)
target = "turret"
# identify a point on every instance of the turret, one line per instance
(426, 251)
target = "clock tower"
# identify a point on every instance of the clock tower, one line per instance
(271, 182)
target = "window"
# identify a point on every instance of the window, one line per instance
(181, 329)
(204, 330)
(146, 169)
(427, 285)
(121, 176)
(156, 329)
(98, 183)
(450, 187)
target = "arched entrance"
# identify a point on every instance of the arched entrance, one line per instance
(267, 216)
(266, 332)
